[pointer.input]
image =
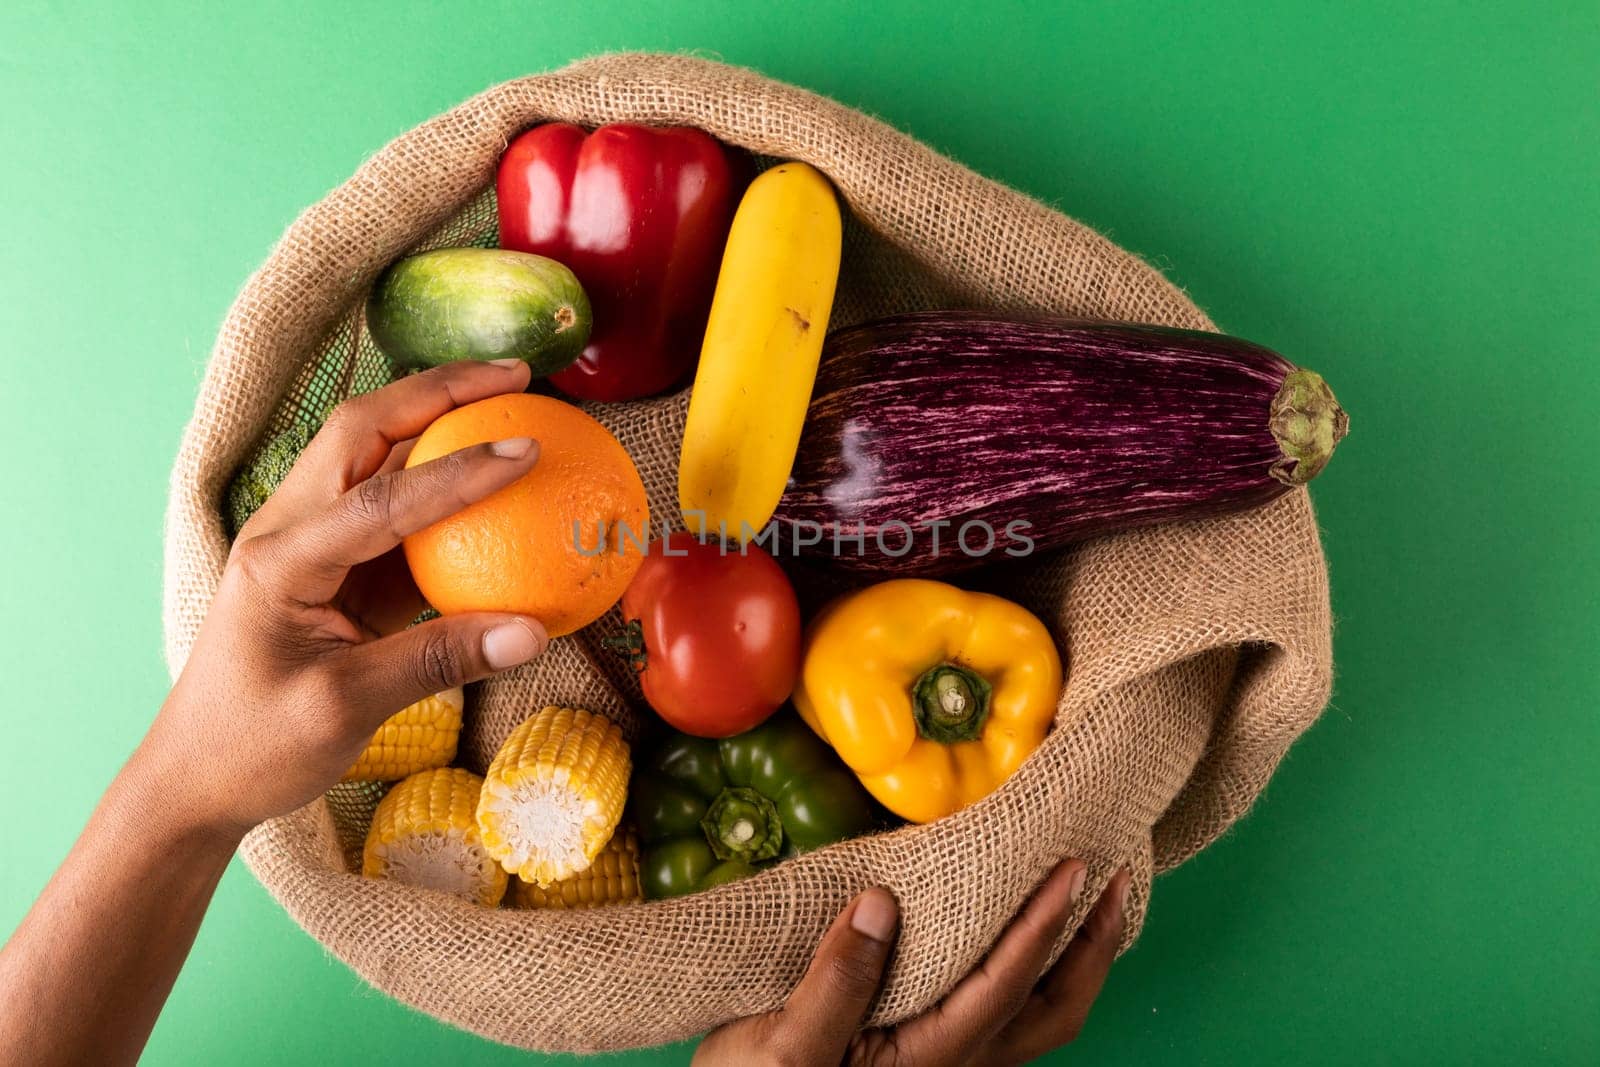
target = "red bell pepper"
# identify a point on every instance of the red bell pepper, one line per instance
(640, 214)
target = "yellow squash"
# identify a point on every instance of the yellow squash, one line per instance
(759, 359)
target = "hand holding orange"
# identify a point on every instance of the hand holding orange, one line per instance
(560, 543)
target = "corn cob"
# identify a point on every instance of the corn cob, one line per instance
(613, 878)
(417, 738)
(424, 833)
(554, 793)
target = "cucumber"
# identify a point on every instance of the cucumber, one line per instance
(479, 303)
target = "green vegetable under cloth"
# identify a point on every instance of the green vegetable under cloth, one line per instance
(261, 476)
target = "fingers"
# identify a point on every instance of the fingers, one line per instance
(314, 555)
(372, 432)
(381, 597)
(355, 441)
(822, 1015)
(396, 460)
(401, 669)
(989, 997)
(1056, 1015)
(827, 1007)
(1074, 982)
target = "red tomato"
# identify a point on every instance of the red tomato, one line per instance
(716, 634)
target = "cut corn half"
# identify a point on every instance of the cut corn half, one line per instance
(613, 878)
(417, 738)
(554, 793)
(425, 834)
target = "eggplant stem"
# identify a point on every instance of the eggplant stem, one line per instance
(1308, 424)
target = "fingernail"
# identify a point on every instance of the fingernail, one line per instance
(1127, 891)
(509, 644)
(875, 915)
(509, 364)
(1078, 878)
(512, 447)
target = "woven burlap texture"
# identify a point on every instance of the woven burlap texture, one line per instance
(1196, 653)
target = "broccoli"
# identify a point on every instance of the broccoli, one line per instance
(266, 471)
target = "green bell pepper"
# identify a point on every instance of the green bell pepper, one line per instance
(713, 811)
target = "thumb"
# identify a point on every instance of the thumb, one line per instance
(442, 653)
(826, 1008)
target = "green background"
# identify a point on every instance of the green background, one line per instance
(1406, 202)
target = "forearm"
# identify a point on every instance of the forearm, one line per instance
(87, 972)
(285, 684)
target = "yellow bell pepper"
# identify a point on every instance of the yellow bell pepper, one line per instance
(932, 695)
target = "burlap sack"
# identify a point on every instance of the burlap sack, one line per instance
(1196, 653)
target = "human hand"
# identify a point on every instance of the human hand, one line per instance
(1004, 1012)
(304, 651)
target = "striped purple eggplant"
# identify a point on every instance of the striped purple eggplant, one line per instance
(943, 440)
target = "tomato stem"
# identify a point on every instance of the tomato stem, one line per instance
(630, 642)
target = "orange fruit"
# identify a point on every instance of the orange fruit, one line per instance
(518, 550)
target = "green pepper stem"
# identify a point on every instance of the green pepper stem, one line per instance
(741, 824)
(630, 642)
(950, 703)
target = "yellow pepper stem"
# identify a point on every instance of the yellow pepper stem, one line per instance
(741, 824)
(950, 704)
